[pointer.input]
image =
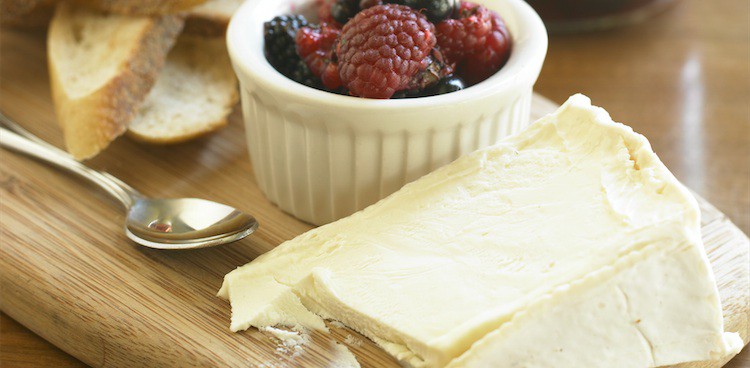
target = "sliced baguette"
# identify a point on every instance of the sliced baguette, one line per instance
(101, 69)
(211, 18)
(193, 96)
(140, 7)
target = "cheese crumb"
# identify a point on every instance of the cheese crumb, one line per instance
(343, 357)
(352, 341)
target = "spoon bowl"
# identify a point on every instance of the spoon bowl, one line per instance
(186, 222)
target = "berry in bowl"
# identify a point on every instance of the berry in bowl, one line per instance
(396, 49)
(344, 102)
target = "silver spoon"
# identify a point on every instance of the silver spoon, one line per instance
(185, 223)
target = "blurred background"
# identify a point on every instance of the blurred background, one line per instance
(591, 15)
(676, 71)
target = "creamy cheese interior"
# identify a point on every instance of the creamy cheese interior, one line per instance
(567, 243)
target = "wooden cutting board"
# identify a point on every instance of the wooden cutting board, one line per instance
(70, 274)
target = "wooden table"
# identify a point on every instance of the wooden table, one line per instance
(681, 79)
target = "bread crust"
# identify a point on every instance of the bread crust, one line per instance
(211, 19)
(92, 121)
(208, 129)
(206, 25)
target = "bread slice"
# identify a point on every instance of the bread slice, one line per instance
(26, 13)
(211, 18)
(140, 7)
(101, 69)
(193, 96)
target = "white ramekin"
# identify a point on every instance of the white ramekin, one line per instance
(322, 156)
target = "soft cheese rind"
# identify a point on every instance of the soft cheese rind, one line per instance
(458, 263)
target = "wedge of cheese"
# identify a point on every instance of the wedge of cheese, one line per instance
(568, 245)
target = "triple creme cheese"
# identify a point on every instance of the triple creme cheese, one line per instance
(568, 245)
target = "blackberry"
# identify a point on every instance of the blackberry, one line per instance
(448, 84)
(435, 10)
(432, 74)
(364, 4)
(407, 94)
(303, 75)
(343, 10)
(339, 91)
(281, 50)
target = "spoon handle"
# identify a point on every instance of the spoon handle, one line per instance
(13, 126)
(31, 145)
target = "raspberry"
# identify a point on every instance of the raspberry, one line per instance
(324, 11)
(478, 42)
(331, 78)
(382, 49)
(280, 49)
(315, 45)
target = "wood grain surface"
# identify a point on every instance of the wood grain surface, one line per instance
(62, 247)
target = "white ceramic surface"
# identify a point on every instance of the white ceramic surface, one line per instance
(322, 156)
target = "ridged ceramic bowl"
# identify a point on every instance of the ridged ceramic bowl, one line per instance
(322, 156)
